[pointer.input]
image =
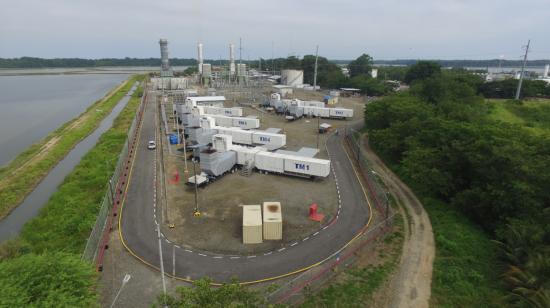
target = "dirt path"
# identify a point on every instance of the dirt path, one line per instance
(411, 284)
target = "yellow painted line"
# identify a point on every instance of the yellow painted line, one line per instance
(246, 282)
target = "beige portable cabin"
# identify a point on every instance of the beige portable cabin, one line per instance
(273, 221)
(252, 224)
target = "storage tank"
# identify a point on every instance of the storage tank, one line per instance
(273, 221)
(292, 78)
(252, 224)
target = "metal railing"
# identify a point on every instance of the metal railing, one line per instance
(93, 243)
(299, 287)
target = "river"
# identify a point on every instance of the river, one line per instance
(32, 106)
(11, 225)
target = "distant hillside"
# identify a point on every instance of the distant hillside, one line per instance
(468, 63)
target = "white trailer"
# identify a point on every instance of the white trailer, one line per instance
(269, 140)
(307, 166)
(230, 112)
(292, 164)
(245, 123)
(313, 103)
(341, 113)
(270, 162)
(216, 101)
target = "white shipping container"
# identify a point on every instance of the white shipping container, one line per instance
(223, 120)
(271, 162)
(242, 136)
(320, 112)
(270, 140)
(306, 165)
(341, 113)
(246, 123)
(314, 104)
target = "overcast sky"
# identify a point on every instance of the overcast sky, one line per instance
(343, 29)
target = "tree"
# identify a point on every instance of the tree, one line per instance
(360, 66)
(422, 70)
(202, 294)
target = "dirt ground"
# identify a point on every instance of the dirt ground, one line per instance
(411, 284)
(219, 228)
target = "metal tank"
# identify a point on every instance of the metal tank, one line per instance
(292, 78)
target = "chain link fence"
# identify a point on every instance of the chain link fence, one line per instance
(92, 244)
(299, 287)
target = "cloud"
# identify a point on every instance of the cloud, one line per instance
(342, 29)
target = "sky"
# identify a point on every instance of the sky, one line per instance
(343, 29)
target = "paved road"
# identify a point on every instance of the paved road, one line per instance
(140, 214)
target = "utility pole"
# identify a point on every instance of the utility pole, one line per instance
(196, 212)
(518, 91)
(161, 262)
(315, 72)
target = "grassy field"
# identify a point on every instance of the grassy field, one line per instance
(20, 177)
(356, 286)
(533, 115)
(67, 219)
(44, 262)
(465, 271)
(466, 267)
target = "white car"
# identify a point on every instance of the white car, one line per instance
(151, 145)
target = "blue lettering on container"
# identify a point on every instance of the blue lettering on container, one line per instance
(242, 122)
(339, 112)
(302, 166)
(265, 139)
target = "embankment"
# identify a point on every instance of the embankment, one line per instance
(20, 177)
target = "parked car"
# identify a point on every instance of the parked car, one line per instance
(151, 145)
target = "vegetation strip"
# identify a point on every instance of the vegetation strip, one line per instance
(20, 177)
(44, 263)
(481, 180)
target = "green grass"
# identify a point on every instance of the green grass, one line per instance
(67, 219)
(43, 264)
(356, 285)
(465, 270)
(533, 115)
(20, 177)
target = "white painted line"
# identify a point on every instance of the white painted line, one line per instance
(177, 246)
(250, 257)
(155, 216)
(217, 257)
(314, 234)
(281, 249)
(293, 244)
(268, 253)
(188, 250)
(167, 241)
(202, 255)
(234, 257)
(305, 239)
(325, 227)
